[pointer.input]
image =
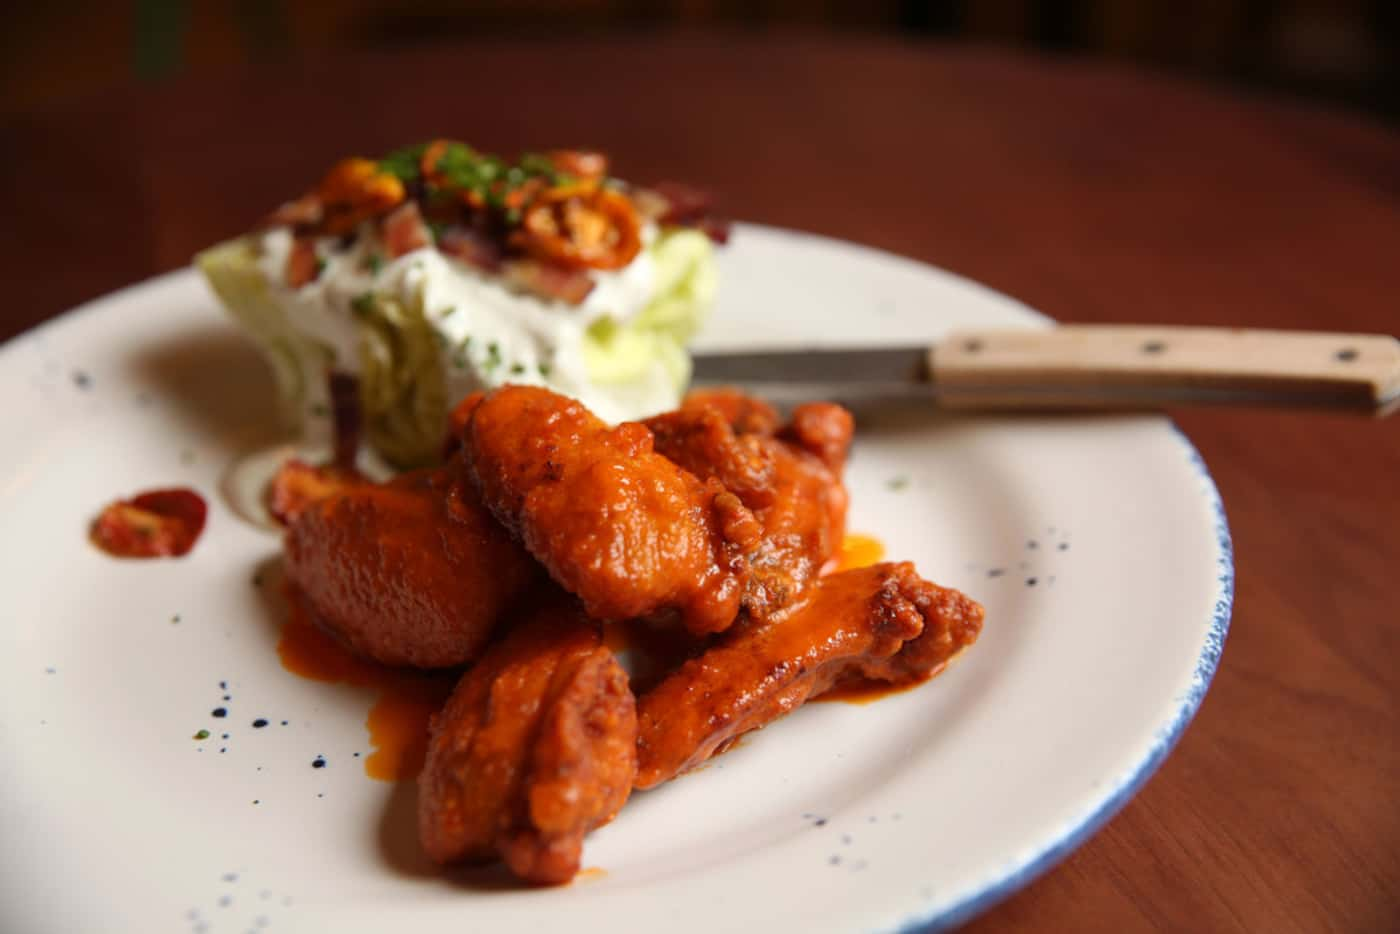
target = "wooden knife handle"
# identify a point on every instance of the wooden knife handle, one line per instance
(1112, 366)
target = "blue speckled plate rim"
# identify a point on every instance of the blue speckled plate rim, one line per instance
(1166, 738)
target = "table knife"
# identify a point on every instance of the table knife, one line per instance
(1086, 366)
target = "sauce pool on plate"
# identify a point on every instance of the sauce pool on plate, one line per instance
(397, 721)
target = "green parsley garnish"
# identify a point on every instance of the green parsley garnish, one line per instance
(202, 734)
(896, 484)
(374, 262)
(517, 368)
(448, 312)
(403, 163)
(493, 356)
(545, 370)
(320, 266)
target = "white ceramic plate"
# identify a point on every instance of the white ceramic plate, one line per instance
(1098, 545)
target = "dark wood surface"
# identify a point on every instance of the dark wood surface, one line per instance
(1094, 193)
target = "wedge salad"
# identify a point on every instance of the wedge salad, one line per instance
(398, 286)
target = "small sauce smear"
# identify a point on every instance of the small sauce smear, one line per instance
(155, 524)
(590, 874)
(397, 721)
(857, 551)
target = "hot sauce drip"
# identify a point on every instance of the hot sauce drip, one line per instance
(857, 551)
(155, 524)
(404, 701)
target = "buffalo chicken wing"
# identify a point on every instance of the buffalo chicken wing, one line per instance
(623, 528)
(791, 479)
(857, 623)
(412, 572)
(536, 747)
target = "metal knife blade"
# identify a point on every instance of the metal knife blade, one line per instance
(1084, 366)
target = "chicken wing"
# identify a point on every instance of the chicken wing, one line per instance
(873, 622)
(412, 572)
(623, 528)
(791, 479)
(536, 747)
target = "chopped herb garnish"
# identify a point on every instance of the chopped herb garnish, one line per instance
(517, 368)
(897, 483)
(363, 303)
(545, 369)
(448, 312)
(202, 734)
(403, 163)
(320, 266)
(374, 262)
(493, 356)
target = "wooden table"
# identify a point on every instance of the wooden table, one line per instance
(1094, 193)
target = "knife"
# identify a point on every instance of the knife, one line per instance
(1086, 366)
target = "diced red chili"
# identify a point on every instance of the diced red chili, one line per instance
(583, 226)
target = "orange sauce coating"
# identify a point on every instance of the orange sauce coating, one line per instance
(398, 718)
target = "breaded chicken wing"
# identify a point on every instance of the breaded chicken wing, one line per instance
(791, 479)
(411, 572)
(536, 747)
(623, 528)
(858, 622)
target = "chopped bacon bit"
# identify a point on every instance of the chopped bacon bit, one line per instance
(580, 163)
(686, 205)
(299, 484)
(672, 204)
(344, 390)
(302, 213)
(404, 230)
(156, 524)
(471, 247)
(303, 265)
(717, 229)
(549, 280)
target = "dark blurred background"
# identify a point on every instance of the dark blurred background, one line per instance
(1342, 52)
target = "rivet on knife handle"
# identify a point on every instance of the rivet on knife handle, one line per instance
(1113, 366)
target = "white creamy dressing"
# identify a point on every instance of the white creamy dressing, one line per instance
(488, 334)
